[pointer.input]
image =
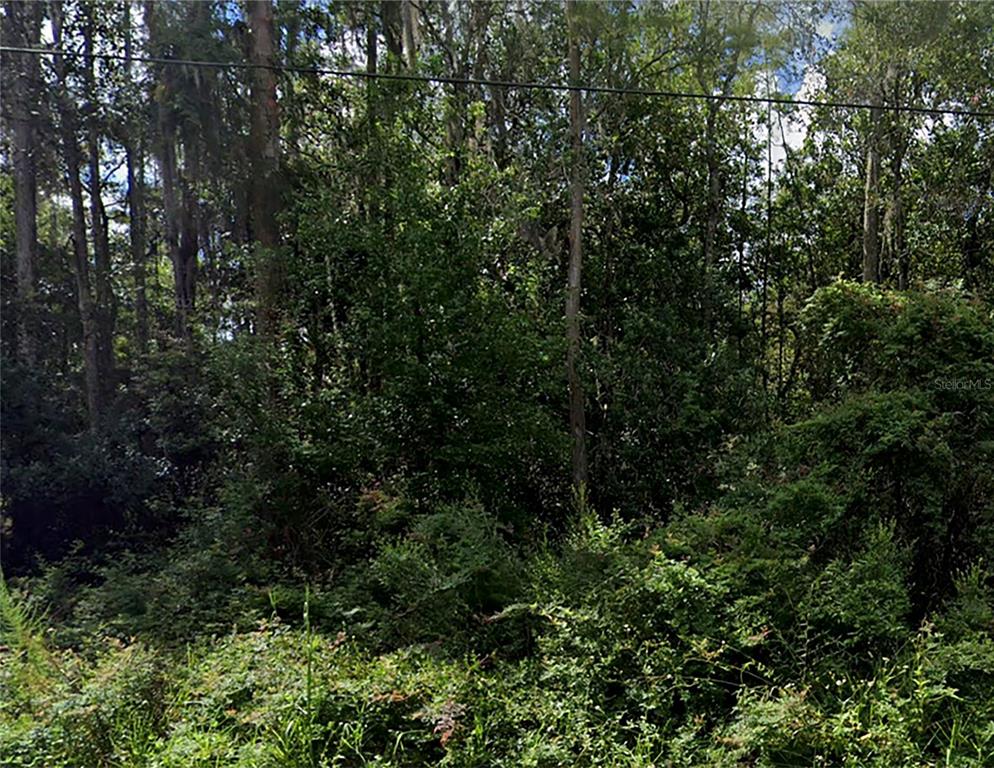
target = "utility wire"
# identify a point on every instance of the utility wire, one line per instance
(514, 84)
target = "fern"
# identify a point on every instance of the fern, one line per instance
(22, 635)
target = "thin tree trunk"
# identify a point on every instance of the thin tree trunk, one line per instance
(370, 197)
(189, 245)
(765, 272)
(104, 305)
(136, 223)
(136, 211)
(25, 24)
(176, 217)
(101, 251)
(456, 106)
(80, 264)
(743, 209)
(371, 42)
(171, 211)
(714, 198)
(903, 264)
(871, 199)
(412, 35)
(893, 253)
(577, 414)
(265, 160)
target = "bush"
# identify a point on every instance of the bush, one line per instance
(831, 606)
(443, 580)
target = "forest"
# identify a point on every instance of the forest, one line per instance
(522, 383)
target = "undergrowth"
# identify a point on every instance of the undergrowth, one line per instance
(626, 652)
(834, 606)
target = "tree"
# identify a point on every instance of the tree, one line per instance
(104, 298)
(265, 194)
(871, 199)
(135, 160)
(180, 241)
(401, 27)
(81, 260)
(23, 27)
(577, 412)
(723, 42)
(179, 200)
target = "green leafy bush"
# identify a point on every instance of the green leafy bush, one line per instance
(444, 579)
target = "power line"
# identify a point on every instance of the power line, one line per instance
(513, 84)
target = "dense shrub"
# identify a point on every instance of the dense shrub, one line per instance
(641, 657)
(831, 605)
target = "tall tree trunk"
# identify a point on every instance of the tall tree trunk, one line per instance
(24, 20)
(104, 305)
(741, 245)
(371, 42)
(189, 246)
(455, 107)
(370, 198)
(136, 209)
(871, 200)
(181, 243)
(410, 19)
(893, 253)
(393, 27)
(712, 153)
(765, 268)
(265, 160)
(171, 211)
(577, 414)
(714, 197)
(893, 240)
(80, 263)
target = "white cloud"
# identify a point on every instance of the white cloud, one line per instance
(794, 126)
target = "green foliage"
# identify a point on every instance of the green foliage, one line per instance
(443, 580)
(829, 606)
(859, 337)
(640, 658)
(210, 578)
(324, 517)
(864, 601)
(61, 484)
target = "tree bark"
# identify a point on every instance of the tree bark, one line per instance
(24, 21)
(171, 211)
(715, 193)
(180, 246)
(893, 251)
(186, 270)
(893, 241)
(412, 33)
(104, 305)
(80, 264)
(393, 27)
(371, 42)
(577, 414)
(871, 200)
(456, 106)
(265, 160)
(136, 211)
